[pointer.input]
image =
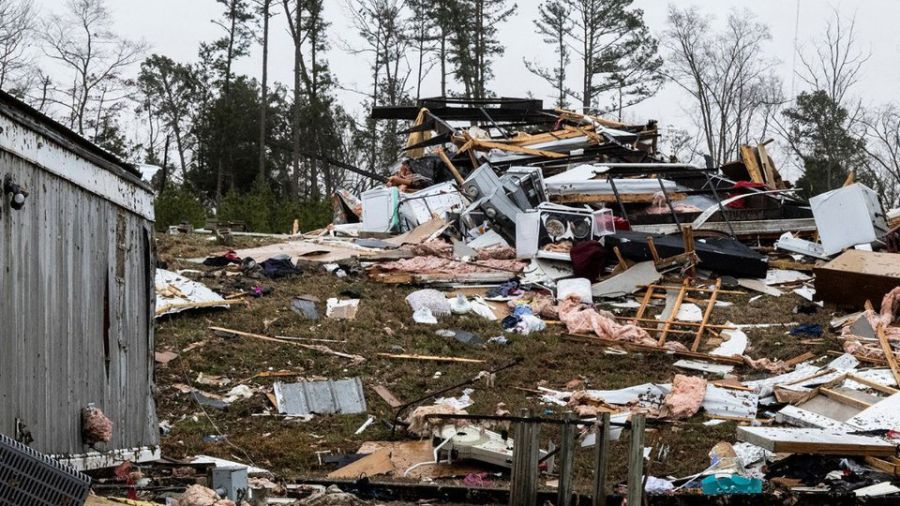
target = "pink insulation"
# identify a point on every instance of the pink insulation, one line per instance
(96, 427)
(890, 306)
(581, 319)
(437, 265)
(198, 495)
(686, 397)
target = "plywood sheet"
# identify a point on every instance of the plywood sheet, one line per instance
(814, 441)
(881, 415)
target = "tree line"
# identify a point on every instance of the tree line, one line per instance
(253, 150)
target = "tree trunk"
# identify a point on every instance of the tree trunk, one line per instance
(264, 96)
(165, 166)
(295, 123)
(226, 98)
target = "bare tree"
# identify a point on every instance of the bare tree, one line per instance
(82, 43)
(836, 63)
(17, 23)
(725, 74)
(553, 25)
(882, 134)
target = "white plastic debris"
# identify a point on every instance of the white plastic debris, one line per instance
(338, 309)
(460, 305)
(424, 315)
(238, 392)
(434, 300)
(530, 323)
(482, 309)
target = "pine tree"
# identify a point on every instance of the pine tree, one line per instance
(554, 25)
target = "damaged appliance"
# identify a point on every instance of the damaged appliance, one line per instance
(555, 224)
(474, 443)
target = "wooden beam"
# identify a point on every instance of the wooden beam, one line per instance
(888, 353)
(687, 236)
(678, 299)
(486, 145)
(844, 398)
(768, 170)
(387, 396)
(430, 358)
(652, 247)
(196, 305)
(450, 166)
(791, 362)
(710, 304)
(644, 302)
(871, 384)
(748, 156)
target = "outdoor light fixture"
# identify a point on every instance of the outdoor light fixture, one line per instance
(16, 192)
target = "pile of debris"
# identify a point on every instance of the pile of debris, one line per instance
(553, 221)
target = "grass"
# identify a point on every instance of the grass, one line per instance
(384, 324)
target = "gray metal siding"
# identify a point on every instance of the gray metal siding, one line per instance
(58, 258)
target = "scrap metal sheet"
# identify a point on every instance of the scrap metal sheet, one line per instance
(320, 397)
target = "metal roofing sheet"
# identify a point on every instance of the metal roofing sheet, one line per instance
(321, 397)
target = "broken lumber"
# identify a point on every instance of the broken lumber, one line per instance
(387, 396)
(314, 347)
(815, 441)
(431, 358)
(888, 353)
(196, 305)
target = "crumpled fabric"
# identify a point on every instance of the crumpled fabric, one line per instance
(198, 495)
(686, 397)
(581, 319)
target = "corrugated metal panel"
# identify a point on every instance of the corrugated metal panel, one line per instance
(76, 315)
(321, 397)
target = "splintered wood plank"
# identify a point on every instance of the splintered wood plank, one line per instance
(844, 399)
(450, 166)
(710, 304)
(387, 396)
(430, 358)
(872, 384)
(486, 145)
(887, 466)
(768, 170)
(644, 302)
(815, 441)
(748, 155)
(888, 353)
(671, 318)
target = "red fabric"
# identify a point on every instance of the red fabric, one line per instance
(739, 186)
(588, 260)
(621, 223)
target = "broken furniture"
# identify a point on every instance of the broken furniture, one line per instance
(870, 274)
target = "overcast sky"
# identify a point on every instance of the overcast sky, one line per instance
(176, 27)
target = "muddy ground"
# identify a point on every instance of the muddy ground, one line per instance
(384, 324)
